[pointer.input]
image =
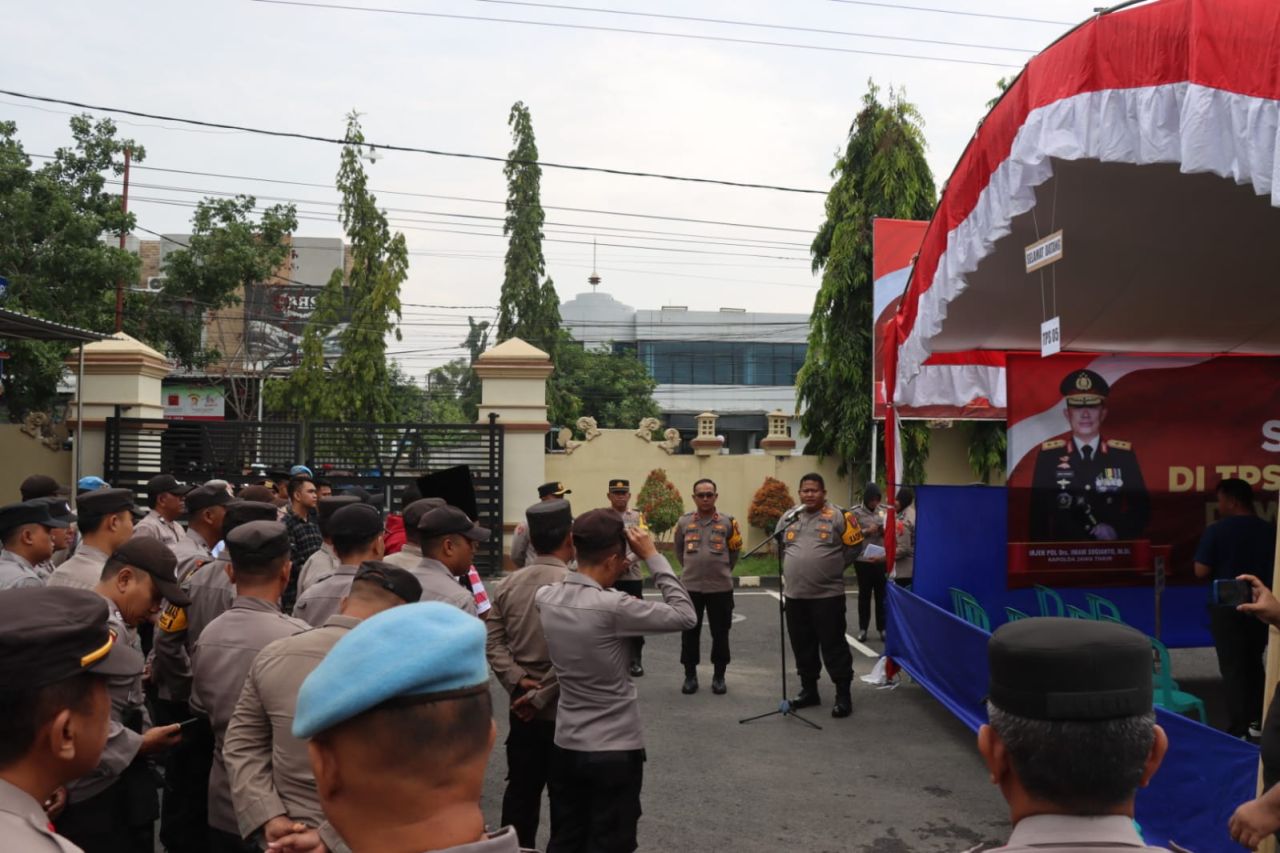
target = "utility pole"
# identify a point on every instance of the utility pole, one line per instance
(124, 208)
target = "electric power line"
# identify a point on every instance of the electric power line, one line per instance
(410, 149)
(902, 8)
(754, 24)
(599, 28)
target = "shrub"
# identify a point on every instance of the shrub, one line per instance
(771, 500)
(660, 502)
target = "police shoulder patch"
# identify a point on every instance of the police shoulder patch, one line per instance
(173, 620)
(1054, 444)
(1119, 445)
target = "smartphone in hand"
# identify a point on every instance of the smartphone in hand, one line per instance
(1232, 592)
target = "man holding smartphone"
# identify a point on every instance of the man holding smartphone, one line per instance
(1238, 543)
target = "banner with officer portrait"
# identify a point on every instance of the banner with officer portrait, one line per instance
(1114, 460)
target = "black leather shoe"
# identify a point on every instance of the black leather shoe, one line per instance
(636, 669)
(807, 699)
(690, 685)
(862, 636)
(718, 686)
(842, 708)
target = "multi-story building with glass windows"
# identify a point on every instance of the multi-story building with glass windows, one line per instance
(739, 364)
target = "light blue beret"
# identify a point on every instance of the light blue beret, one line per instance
(409, 650)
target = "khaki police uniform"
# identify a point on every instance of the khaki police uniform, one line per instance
(406, 558)
(268, 768)
(221, 662)
(155, 526)
(872, 576)
(171, 662)
(16, 572)
(708, 547)
(522, 552)
(440, 584)
(24, 825)
(816, 548)
(1067, 833)
(517, 648)
(323, 598)
(319, 565)
(82, 570)
(598, 766)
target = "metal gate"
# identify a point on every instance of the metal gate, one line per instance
(139, 448)
(381, 458)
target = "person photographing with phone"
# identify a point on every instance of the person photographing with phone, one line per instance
(1238, 543)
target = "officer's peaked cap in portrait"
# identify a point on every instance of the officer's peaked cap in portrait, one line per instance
(1084, 388)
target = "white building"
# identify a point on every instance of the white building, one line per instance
(739, 364)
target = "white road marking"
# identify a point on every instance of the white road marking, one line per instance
(866, 650)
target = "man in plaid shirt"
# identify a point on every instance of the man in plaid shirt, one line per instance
(304, 533)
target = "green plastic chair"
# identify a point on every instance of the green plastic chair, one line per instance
(1167, 694)
(1050, 602)
(968, 609)
(1077, 613)
(1103, 609)
(1014, 614)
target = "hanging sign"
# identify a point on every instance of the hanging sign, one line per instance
(1044, 252)
(1051, 337)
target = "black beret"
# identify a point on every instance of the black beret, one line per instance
(444, 520)
(394, 579)
(167, 484)
(257, 541)
(557, 489)
(598, 529)
(326, 507)
(41, 486)
(28, 512)
(619, 485)
(154, 557)
(1048, 668)
(549, 515)
(60, 509)
(414, 512)
(243, 511)
(357, 521)
(206, 496)
(1084, 388)
(104, 501)
(49, 634)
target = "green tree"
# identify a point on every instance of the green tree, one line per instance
(660, 501)
(528, 307)
(54, 225)
(614, 388)
(227, 250)
(447, 401)
(882, 172)
(356, 386)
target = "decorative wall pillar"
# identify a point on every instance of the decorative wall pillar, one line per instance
(778, 442)
(707, 443)
(122, 375)
(513, 380)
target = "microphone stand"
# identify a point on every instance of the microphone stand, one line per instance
(784, 708)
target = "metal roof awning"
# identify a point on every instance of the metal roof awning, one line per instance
(21, 327)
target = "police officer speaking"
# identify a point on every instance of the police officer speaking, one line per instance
(707, 543)
(1084, 486)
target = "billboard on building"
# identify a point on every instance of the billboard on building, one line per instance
(275, 318)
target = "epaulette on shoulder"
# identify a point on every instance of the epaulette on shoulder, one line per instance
(1119, 445)
(1054, 444)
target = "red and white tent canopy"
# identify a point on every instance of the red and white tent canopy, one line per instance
(1149, 136)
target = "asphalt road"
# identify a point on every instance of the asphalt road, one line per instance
(901, 774)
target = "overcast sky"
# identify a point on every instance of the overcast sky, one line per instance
(739, 112)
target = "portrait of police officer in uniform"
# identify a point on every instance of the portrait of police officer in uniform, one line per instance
(1085, 486)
